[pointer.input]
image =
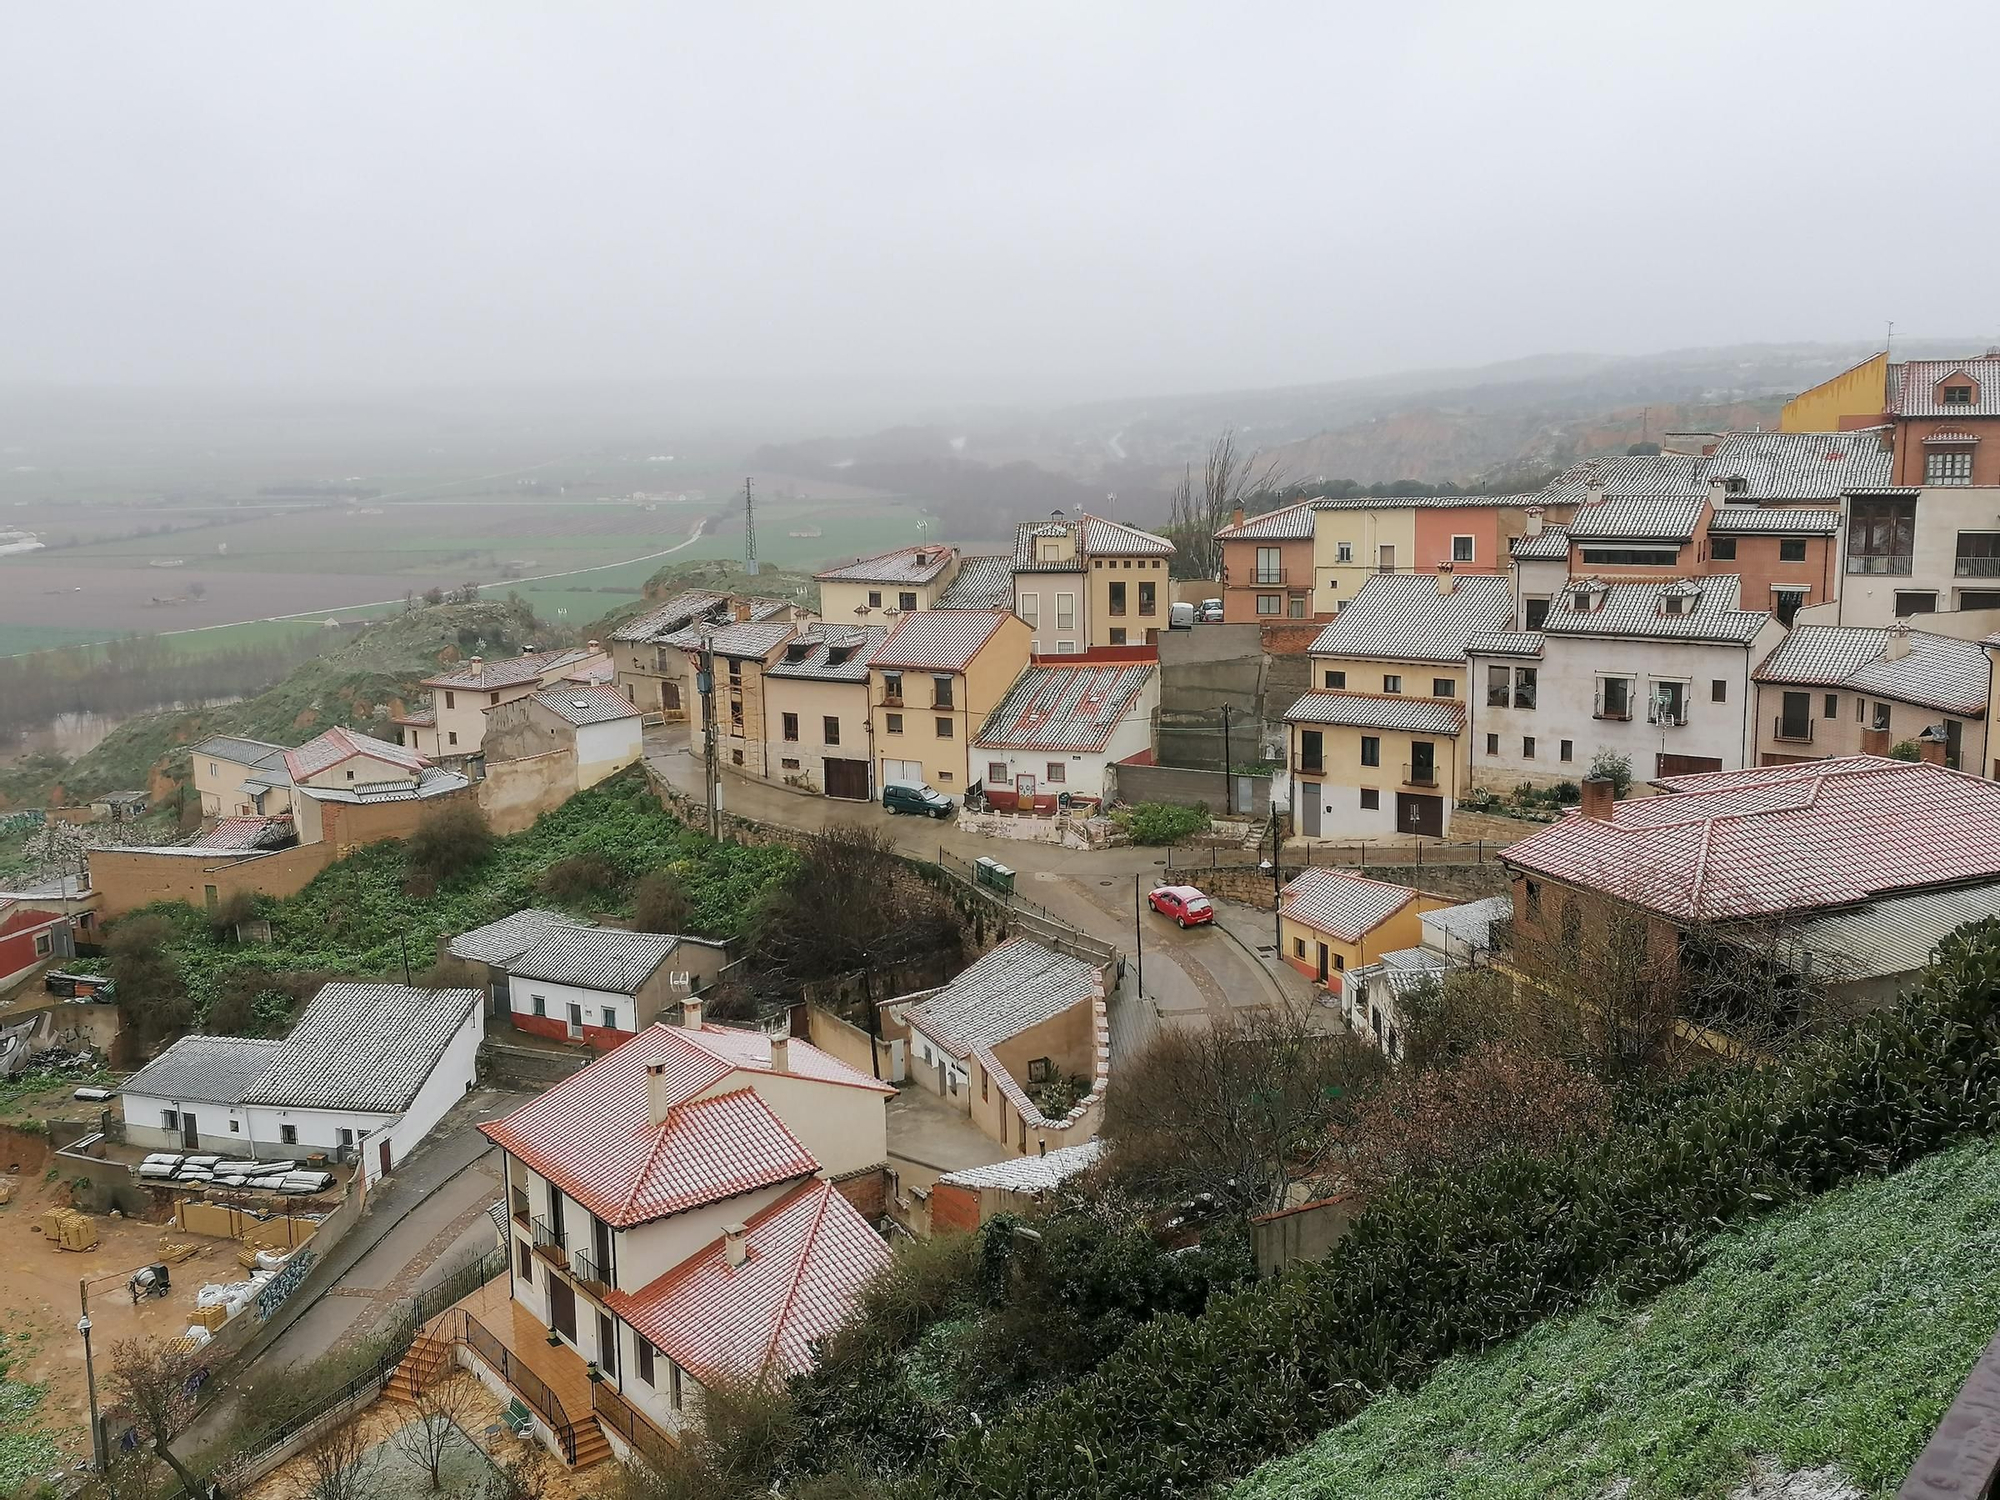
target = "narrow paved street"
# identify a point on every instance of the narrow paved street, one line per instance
(1188, 975)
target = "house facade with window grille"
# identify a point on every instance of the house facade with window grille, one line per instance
(679, 1211)
(1658, 672)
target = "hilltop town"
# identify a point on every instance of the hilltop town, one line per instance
(1382, 988)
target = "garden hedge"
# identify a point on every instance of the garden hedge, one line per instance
(1444, 1266)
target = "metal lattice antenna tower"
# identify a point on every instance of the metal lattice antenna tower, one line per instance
(749, 530)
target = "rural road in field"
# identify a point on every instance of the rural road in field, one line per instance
(692, 537)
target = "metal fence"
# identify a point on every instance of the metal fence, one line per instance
(1352, 856)
(1043, 925)
(461, 1327)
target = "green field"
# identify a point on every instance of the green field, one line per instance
(1832, 1334)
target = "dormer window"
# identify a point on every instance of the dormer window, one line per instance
(1736, 486)
(1674, 604)
(1955, 395)
(1581, 601)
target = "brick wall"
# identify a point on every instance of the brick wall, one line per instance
(953, 1208)
(1454, 883)
(129, 878)
(867, 1190)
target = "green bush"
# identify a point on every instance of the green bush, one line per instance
(1445, 1265)
(448, 843)
(1162, 822)
(1905, 750)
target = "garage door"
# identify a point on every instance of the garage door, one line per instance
(902, 770)
(847, 778)
(1687, 765)
(1415, 814)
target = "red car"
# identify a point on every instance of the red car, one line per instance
(1183, 903)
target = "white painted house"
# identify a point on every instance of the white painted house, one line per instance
(1060, 726)
(364, 1075)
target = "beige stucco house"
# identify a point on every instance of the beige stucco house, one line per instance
(816, 711)
(240, 778)
(453, 728)
(876, 590)
(650, 654)
(932, 684)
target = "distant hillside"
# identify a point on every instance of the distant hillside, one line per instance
(359, 685)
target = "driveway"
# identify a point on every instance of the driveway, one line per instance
(430, 1212)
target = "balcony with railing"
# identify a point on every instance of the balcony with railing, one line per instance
(1977, 567)
(521, 1214)
(1304, 766)
(618, 1415)
(587, 1273)
(1269, 576)
(1415, 775)
(1893, 564)
(550, 1242)
(1797, 731)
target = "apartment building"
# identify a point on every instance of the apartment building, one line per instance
(1658, 672)
(932, 683)
(1089, 582)
(1267, 566)
(1356, 537)
(877, 589)
(741, 654)
(1833, 691)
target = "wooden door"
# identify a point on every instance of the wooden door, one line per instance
(1687, 765)
(383, 1157)
(190, 1132)
(847, 778)
(607, 1345)
(1415, 814)
(562, 1308)
(1322, 963)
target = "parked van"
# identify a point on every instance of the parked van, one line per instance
(1180, 617)
(915, 797)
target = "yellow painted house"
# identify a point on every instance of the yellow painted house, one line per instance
(1855, 397)
(932, 684)
(877, 590)
(1332, 920)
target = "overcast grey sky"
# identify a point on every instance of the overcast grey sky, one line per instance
(1126, 197)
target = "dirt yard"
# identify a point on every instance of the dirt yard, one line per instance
(39, 1291)
(481, 1423)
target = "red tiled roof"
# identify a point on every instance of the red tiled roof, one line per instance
(594, 1135)
(1779, 839)
(339, 744)
(807, 1256)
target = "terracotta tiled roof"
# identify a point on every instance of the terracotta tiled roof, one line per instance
(1913, 387)
(1409, 617)
(1019, 984)
(981, 583)
(1294, 523)
(1370, 711)
(1347, 906)
(1779, 839)
(1749, 520)
(594, 1134)
(904, 565)
(586, 705)
(510, 671)
(806, 1258)
(1799, 465)
(339, 744)
(1709, 610)
(937, 640)
(1065, 708)
(1937, 672)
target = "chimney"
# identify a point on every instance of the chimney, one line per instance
(691, 1014)
(1898, 645)
(1534, 520)
(1447, 579)
(781, 1054)
(742, 612)
(1598, 798)
(656, 1092)
(1236, 516)
(1930, 748)
(594, 646)
(733, 1243)
(1594, 493)
(475, 662)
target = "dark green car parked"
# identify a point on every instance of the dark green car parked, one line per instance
(915, 797)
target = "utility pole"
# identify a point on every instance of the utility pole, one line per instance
(1228, 781)
(90, 1374)
(404, 938)
(749, 530)
(1139, 929)
(704, 682)
(1277, 883)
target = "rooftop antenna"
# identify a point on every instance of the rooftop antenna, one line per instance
(749, 530)
(1889, 338)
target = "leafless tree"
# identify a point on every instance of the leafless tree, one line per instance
(1238, 1111)
(1198, 508)
(851, 904)
(442, 1407)
(156, 1384)
(341, 1461)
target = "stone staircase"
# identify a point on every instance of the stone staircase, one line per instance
(428, 1359)
(592, 1447)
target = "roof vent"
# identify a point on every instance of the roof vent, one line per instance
(781, 1054)
(579, 703)
(735, 1243)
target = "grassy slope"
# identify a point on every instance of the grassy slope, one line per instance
(1833, 1333)
(355, 920)
(382, 665)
